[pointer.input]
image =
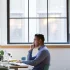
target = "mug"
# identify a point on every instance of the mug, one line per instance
(23, 58)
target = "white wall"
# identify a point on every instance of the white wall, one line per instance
(3, 22)
(60, 58)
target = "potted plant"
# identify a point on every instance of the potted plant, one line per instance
(1, 54)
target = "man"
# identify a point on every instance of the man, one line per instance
(43, 56)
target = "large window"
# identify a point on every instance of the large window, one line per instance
(28, 17)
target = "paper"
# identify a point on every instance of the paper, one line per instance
(20, 64)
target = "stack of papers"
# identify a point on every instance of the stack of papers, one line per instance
(20, 64)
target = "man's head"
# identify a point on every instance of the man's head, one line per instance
(39, 40)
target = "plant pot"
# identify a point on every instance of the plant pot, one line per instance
(1, 58)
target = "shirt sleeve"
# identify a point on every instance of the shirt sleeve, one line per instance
(29, 57)
(39, 58)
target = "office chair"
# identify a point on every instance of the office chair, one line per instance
(46, 67)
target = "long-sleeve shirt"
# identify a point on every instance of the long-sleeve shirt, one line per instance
(40, 60)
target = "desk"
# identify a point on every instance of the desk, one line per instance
(17, 67)
(3, 68)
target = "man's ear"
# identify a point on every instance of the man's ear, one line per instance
(40, 41)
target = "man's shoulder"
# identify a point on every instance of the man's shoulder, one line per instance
(45, 50)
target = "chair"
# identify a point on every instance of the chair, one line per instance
(46, 67)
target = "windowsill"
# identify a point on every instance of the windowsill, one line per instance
(28, 46)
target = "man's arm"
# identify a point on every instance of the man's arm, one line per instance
(40, 57)
(30, 55)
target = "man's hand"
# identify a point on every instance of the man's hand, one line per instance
(19, 61)
(32, 47)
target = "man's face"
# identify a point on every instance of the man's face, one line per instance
(36, 41)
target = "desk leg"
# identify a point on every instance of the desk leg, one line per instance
(16, 69)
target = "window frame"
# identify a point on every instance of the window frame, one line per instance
(8, 24)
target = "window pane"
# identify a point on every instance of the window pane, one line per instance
(57, 8)
(18, 30)
(57, 30)
(18, 8)
(36, 7)
(37, 26)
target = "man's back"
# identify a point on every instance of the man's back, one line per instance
(46, 61)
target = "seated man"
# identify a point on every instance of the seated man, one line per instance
(43, 56)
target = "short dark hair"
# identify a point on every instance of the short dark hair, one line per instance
(40, 36)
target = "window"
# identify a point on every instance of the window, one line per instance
(28, 17)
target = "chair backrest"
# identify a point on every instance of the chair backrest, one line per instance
(46, 67)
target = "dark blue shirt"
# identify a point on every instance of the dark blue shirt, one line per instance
(40, 60)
